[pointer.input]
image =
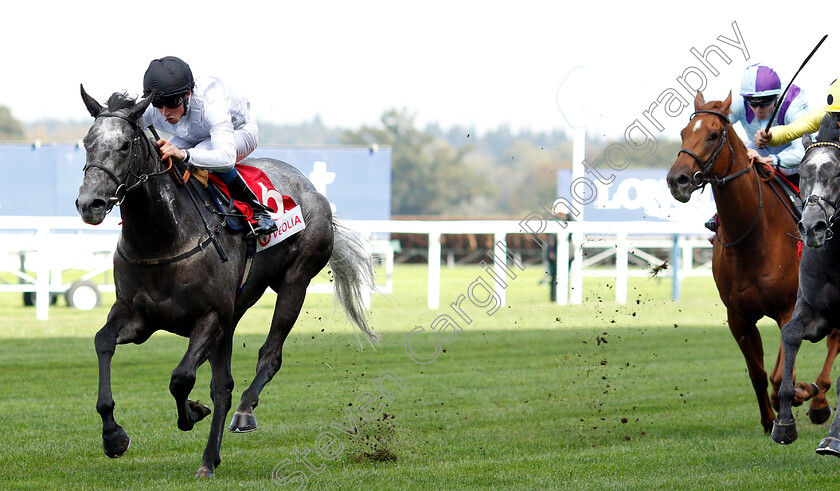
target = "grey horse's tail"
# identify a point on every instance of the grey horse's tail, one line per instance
(352, 267)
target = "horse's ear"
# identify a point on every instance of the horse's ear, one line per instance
(727, 102)
(139, 108)
(806, 140)
(699, 100)
(93, 107)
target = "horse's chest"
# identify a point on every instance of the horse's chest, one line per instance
(173, 309)
(825, 296)
(161, 312)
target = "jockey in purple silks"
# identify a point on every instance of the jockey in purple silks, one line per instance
(759, 96)
(760, 91)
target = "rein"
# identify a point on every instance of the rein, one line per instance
(755, 220)
(702, 177)
(122, 188)
(140, 179)
(818, 200)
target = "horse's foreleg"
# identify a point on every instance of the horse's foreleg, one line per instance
(776, 377)
(747, 336)
(289, 302)
(830, 445)
(221, 388)
(819, 409)
(784, 427)
(122, 327)
(204, 338)
(804, 391)
(115, 441)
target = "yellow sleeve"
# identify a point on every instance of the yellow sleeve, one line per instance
(809, 123)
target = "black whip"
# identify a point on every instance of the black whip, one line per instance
(210, 232)
(776, 109)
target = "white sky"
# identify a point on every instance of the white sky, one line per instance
(478, 63)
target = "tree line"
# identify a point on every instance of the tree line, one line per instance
(436, 171)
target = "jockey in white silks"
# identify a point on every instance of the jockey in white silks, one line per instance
(211, 127)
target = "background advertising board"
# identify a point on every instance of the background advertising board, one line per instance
(635, 195)
(45, 180)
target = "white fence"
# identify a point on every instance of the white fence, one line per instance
(621, 239)
(49, 246)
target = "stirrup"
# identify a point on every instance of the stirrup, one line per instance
(261, 227)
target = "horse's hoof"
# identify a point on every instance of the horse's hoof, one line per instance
(784, 433)
(200, 411)
(243, 422)
(204, 471)
(115, 443)
(819, 416)
(829, 446)
(197, 412)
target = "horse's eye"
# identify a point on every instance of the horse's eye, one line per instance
(125, 146)
(713, 137)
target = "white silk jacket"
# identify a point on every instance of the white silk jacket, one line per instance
(217, 129)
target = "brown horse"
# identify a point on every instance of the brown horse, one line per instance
(755, 262)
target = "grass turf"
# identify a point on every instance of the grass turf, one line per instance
(647, 395)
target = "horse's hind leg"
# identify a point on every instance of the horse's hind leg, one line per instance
(205, 337)
(820, 411)
(289, 302)
(747, 336)
(221, 388)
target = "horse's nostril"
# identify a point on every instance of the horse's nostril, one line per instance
(820, 227)
(683, 180)
(98, 204)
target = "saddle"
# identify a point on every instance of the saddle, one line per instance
(789, 185)
(236, 211)
(786, 188)
(225, 205)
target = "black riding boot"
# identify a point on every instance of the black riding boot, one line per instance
(241, 192)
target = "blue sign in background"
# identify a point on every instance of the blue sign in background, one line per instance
(634, 195)
(44, 181)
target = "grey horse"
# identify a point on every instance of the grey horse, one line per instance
(170, 273)
(816, 314)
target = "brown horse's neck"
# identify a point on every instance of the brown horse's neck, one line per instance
(738, 200)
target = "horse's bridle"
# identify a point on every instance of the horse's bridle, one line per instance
(702, 177)
(135, 156)
(140, 178)
(817, 200)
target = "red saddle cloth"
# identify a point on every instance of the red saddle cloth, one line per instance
(262, 187)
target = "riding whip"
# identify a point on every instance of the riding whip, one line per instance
(210, 232)
(776, 109)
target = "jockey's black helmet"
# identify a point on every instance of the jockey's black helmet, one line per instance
(167, 77)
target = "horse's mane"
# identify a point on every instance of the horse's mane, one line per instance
(120, 100)
(829, 132)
